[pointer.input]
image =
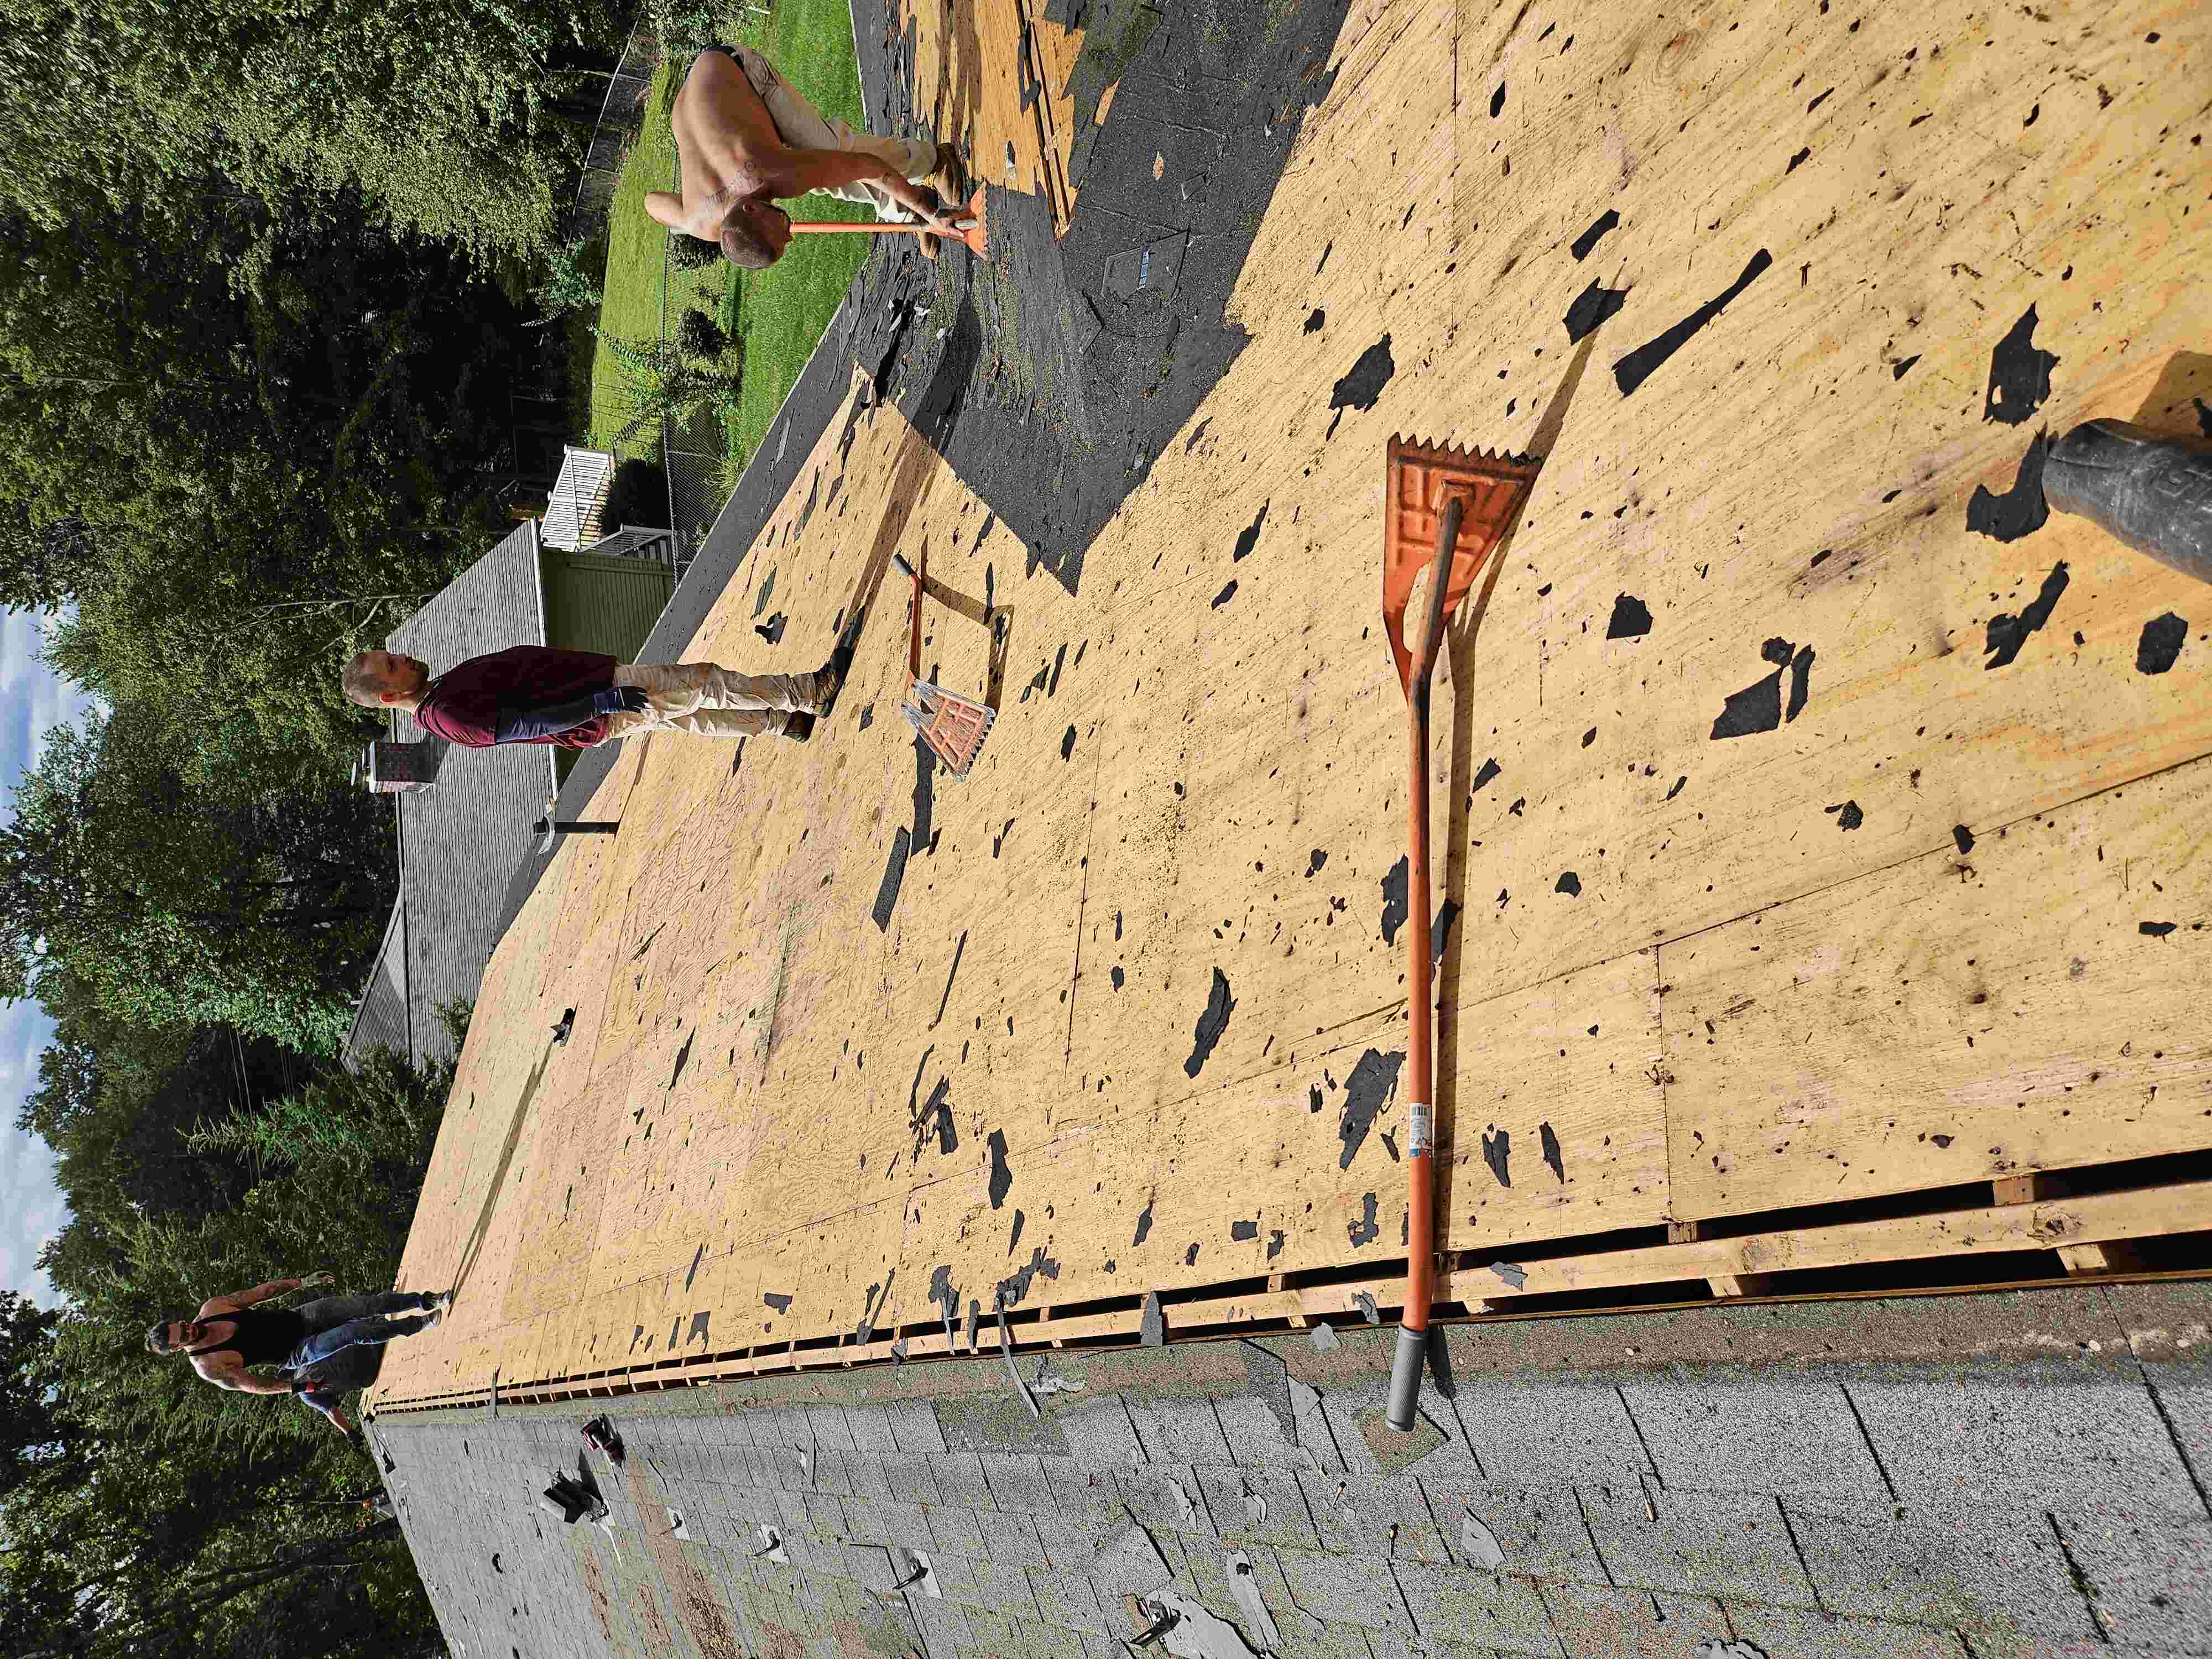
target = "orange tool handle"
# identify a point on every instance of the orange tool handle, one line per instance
(1420, 1053)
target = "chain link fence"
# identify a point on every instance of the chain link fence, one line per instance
(622, 113)
(694, 449)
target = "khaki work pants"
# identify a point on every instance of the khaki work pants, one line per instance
(805, 127)
(709, 700)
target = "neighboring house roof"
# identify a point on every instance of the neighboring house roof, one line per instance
(461, 841)
(381, 1020)
(572, 512)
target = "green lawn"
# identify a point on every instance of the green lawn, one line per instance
(779, 313)
(636, 243)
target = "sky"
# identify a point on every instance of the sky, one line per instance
(31, 1210)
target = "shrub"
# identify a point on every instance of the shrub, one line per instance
(701, 336)
(684, 26)
(572, 273)
(689, 253)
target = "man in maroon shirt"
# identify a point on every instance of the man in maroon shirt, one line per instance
(578, 699)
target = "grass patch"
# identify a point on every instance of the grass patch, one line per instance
(636, 247)
(778, 313)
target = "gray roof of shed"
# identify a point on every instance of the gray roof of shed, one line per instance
(460, 841)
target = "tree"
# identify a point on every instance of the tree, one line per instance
(692, 252)
(664, 387)
(33, 1438)
(573, 275)
(446, 117)
(359, 389)
(172, 1516)
(171, 905)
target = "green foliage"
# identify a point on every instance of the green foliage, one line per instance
(684, 26)
(664, 386)
(691, 253)
(701, 335)
(35, 1439)
(260, 323)
(144, 1511)
(170, 903)
(361, 389)
(368, 1127)
(445, 117)
(573, 275)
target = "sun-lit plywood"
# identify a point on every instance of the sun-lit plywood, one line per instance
(1192, 801)
(993, 77)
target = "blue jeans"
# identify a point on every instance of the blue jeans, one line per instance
(335, 1323)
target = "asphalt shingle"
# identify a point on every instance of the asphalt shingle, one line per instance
(1716, 1543)
(1972, 1565)
(1129, 1563)
(958, 1530)
(1746, 1433)
(1804, 1633)
(2061, 1442)
(1100, 1434)
(1165, 1496)
(1354, 1590)
(1176, 1430)
(1364, 1515)
(1594, 1622)
(1255, 1434)
(455, 875)
(1550, 1431)
(1013, 1539)
(2152, 1579)
(1017, 1484)
(1082, 1494)
(1067, 1598)
(1485, 1608)
(1541, 1534)
(914, 1425)
(1258, 1505)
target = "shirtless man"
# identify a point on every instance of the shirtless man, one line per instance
(231, 1333)
(746, 137)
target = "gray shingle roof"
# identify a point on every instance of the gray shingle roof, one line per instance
(461, 841)
(381, 1021)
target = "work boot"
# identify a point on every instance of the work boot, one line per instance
(951, 174)
(829, 678)
(798, 726)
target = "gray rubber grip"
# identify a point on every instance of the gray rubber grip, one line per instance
(1406, 1367)
(2145, 489)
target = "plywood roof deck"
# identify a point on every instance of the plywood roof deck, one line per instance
(1935, 913)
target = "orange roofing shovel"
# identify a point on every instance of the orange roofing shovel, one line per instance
(971, 217)
(1462, 504)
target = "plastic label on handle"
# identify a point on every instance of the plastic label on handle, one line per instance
(1420, 1127)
